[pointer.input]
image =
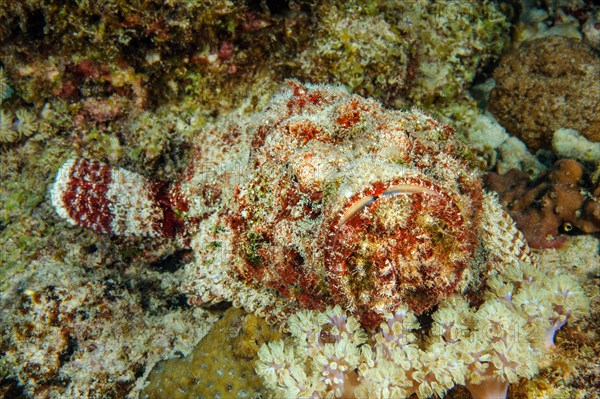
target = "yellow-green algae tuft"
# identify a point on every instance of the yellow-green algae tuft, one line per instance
(421, 52)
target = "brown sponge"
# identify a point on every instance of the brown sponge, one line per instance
(560, 201)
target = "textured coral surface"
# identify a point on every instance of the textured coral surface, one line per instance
(547, 84)
(562, 200)
(221, 366)
(70, 332)
(404, 53)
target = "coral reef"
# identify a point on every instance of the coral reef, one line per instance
(547, 84)
(339, 201)
(404, 53)
(102, 63)
(139, 84)
(562, 200)
(221, 366)
(395, 52)
(162, 42)
(67, 332)
(485, 348)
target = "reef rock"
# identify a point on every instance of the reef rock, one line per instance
(545, 85)
(325, 198)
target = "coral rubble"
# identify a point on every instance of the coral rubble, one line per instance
(559, 201)
(547, 84)
(568, 143)
(485, 348)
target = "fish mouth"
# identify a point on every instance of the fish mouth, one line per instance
(398, 189)
(405, 241)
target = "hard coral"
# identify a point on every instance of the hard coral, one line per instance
(485, 348)
(547, 84)
(557, 202)
(221, 366)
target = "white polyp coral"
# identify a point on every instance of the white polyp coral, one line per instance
(453, 320)
(485, 348)
(396, 332)
(568, 302)
(498, 352)
(518, 321)
(323, 362)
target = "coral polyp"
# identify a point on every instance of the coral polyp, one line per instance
(485, 348)
(324, 198)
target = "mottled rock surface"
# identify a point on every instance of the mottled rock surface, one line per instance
(545, 85)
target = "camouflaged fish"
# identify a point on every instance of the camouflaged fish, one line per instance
(323, 198)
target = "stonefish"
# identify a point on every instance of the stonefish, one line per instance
(323, 198)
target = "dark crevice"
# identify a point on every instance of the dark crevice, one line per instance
(273, 7)
(66, 355)
(173, 262)
(10, 389)
(36, 25)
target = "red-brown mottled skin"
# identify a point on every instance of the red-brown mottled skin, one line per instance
(170, 205)
(403, 243)
(305, 131)
(302, 98)
(87, 195)
(349, 115)
(263, 262)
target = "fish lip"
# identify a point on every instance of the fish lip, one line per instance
(392, 190)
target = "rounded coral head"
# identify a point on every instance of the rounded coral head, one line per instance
(349, 203)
